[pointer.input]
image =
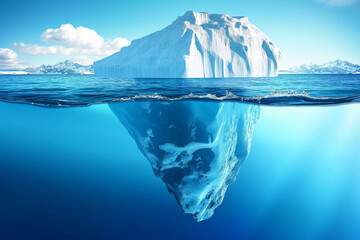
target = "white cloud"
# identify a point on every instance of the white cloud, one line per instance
(34, 49)
(83, 60)
(115, 45)
(340, 2)
(9, 60)
(75, 37)
(70, 40)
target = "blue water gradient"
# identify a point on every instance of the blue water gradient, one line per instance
(76, 173)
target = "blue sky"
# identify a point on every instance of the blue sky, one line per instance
(37, 32)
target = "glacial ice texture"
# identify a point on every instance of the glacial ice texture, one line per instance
(196, 148)
(196, 45)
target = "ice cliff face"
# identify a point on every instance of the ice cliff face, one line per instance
(196, 148)
(196, 45)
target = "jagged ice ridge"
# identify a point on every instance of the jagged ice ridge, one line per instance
(196, 45)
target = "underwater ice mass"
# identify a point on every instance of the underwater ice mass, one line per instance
(196, 148)
(195, 138)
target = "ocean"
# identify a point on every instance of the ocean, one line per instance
(83, 157)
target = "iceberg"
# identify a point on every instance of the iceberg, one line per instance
(196, 148)
(196, 45)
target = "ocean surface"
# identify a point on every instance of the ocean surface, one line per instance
(82, 90)
(83, 157)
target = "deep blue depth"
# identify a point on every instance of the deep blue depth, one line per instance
(73, 165)
(75, 173)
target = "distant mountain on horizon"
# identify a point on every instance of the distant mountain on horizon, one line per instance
(65, 67)
(68, 67)
(332, 67)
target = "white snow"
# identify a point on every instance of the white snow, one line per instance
(13, 72)
(196, 45)
(332, 67)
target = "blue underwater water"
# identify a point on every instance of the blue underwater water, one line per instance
(98, 167)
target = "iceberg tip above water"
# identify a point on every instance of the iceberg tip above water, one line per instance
(196, 45)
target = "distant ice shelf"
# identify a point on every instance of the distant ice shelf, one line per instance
(4, 72)
(196, 45)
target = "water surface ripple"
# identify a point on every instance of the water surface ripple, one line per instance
(83, 90)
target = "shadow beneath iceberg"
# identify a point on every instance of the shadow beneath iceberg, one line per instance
(195, 147)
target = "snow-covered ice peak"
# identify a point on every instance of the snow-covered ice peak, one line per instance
(332, 67)
(65, 67)
(196, 45)
(201, 18)
(196, 148)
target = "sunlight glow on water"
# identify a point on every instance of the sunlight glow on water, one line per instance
(69, 170)
(105, 171)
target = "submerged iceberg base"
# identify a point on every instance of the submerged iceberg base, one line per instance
(196, 148)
